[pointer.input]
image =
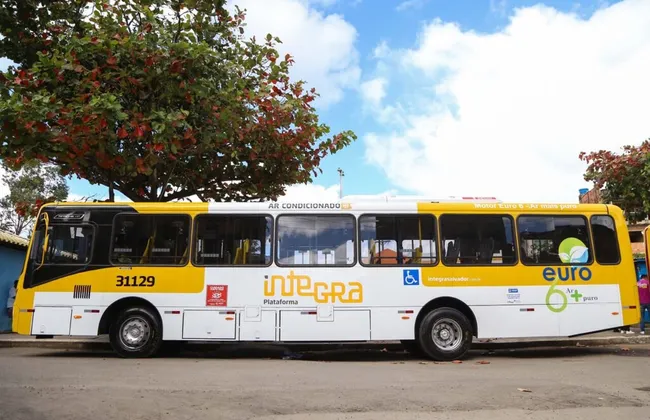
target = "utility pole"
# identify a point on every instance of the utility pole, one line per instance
(341, 175)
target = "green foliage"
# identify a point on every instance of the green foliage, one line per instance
(30, 26)
(29, 188)
(162, 100)
(623, 178)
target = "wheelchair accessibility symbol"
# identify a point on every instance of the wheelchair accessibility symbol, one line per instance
(411, 277)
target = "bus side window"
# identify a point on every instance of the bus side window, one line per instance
(605, 240)
(316, 240)
(144, 239)
(398, 239)
(233, 240)
(483, 239)
(554, 240)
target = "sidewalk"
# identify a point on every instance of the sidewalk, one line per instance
(101, 343)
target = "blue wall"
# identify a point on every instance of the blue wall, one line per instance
(11, 264)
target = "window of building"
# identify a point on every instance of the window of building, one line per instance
(142, 239)
(470, 239)
(316, 240)
(554, 240)
(66, 245)
(605, 240)
(398, 240)
(233, 240)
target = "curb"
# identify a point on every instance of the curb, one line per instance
(310, 347)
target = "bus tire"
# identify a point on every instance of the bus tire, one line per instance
(445, 334)
(136, 333)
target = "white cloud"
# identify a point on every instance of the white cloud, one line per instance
(381, 50)
(498, 6)
(329, 3)
(410, 4)
(507, 114)
(374, 90)
(323, 45)
(323, 3)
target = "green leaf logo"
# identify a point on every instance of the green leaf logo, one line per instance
(573, 250)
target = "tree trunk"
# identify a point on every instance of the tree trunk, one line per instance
(111, 192)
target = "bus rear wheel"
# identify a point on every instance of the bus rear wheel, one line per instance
(445, 334)
(136, 333)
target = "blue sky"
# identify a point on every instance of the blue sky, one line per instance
(465, 97)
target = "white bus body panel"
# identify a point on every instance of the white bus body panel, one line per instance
(345, 325)
(49, 320)
(388, 311)
(258, 328)
(209, 325)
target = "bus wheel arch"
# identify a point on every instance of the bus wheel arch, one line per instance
(445, 313)
(448, 302)
(139, 316)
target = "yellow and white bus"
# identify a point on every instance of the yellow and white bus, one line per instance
(430, 273)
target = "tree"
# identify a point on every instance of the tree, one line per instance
(162, 100)
(30, 26)
(622, 178)
(29, 188)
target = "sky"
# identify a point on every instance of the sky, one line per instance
(463, 97)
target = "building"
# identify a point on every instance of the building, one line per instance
(588, 196)
(13, 249)
(593, 196)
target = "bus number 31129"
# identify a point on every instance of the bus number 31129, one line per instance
(137, 281)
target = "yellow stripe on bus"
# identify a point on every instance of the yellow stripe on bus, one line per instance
(187, 279)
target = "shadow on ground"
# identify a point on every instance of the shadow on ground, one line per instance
(236, 351)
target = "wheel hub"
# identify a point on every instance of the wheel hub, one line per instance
(135, 332)
(444, 334)
(447, 334)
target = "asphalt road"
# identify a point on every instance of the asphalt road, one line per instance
(575, 383)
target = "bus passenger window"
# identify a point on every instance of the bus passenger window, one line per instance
(398, 240)
(233, 240)
(469, 239)
(605, 240)
(554, 240)
(150, 239)
(316, 240)
(67, 245)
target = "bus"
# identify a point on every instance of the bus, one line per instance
(432, 274)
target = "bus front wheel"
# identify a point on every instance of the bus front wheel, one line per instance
(445, 334)
(136, 332)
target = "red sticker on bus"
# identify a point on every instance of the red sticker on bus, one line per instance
(216, 295)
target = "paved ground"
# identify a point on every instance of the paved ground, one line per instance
(232, 383)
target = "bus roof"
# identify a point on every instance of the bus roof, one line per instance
(479, 205)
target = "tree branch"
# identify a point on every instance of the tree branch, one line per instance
(179, 23)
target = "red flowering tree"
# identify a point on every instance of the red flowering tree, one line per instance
(624, 178)
(162, 100)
